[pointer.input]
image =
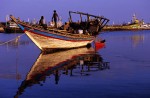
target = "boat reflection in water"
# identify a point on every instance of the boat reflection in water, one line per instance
(81, 61)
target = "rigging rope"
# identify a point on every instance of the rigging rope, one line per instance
(16, 40)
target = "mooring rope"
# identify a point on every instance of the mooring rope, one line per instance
(16, 39)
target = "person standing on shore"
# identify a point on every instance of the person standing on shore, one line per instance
(55, 18)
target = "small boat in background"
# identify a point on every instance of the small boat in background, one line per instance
(70, 35)
(12, 27)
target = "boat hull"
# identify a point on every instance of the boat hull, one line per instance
(13, 30)
(47, 43)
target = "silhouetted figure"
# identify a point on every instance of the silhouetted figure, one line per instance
(55, 18)
(42, 22)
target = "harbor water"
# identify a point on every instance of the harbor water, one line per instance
(121, 69)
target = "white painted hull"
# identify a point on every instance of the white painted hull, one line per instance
(44, 42)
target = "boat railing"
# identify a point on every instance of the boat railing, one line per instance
(65, 32)
(54, 30)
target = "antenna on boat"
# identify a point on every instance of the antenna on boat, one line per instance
(28, 20)
(7, 19)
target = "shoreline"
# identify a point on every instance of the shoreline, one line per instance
(123, 28)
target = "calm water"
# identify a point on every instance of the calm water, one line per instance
(119, 70)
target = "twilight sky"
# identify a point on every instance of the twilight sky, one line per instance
(118, 11)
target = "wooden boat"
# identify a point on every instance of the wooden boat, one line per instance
(73, 62)
(70, 35)
(12, 27)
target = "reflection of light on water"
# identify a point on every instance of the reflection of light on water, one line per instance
(137, 39)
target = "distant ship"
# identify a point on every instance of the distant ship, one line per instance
(135, 24)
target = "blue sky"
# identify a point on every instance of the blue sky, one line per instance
(118, 11)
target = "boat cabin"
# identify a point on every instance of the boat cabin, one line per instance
(86, 23)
